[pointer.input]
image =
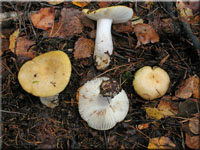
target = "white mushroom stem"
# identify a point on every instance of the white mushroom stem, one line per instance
(50, 101)
(103, 43)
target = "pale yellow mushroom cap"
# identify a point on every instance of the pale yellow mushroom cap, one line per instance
(151, 82)
(118, 14)
(46, 75)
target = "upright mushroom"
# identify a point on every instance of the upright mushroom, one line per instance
(46, 76)
(102, 103)
(151, 82)
(105, 17)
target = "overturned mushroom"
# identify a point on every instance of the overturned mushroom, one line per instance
(102, 103)
(151, 82)
(103, 43)
(46, 76)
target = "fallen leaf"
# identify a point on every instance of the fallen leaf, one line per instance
(192, 141)
(69, 24)
(81, 4)
(143, 126)
(196, 87)
(44, 19)
(188, 107)
(83, 48)
(161, 143)
(186, 88)
(194, 125)
(86, 21)
(4, 44)
(123, 27)
(136, 20)
(166, 108)
(56, 2)
(153, 113)
(23, 44)
(145, 34)
(103, 4)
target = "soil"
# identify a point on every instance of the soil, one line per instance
(26, 123)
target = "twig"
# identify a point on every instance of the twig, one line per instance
(105, 139)
(12, 112)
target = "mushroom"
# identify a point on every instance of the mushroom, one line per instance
(46, 76)
(151, 82)
(103, 43)
(102, 103)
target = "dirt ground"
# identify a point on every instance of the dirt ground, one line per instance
(26, 123)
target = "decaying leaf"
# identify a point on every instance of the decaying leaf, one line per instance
(44, 19)
(83, 48)
(82, 3)
(166, 108)
(186, 88)
(23, 44)
(69, 24)
(153, 113)
(145, 34)
(196, 87)
(123, 27)
(143, 126)
(192, 141)
(103, 4)
(194, 125)
(186, 11)
(161, 143)
(4, 44)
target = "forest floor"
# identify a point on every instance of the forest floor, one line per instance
(27, 123)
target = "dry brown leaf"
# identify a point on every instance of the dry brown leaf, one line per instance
(23, 44)
(68, 25)
(103, 4)
(123, 27)
(192, 141)
(185, 89)
(196, 88)
(87, 22)
(143, 126)
(166, 108)
(83, 48)
(4, 44)
(161, 143)
(145, 34)
(44, 19)
(81, 4)
(194, 125)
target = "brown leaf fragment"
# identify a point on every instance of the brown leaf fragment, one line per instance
(83, 48)
(69, 24)
(145, 34)
(185, 89)
(44, 19)
(192, 141)
(87, 22)
(196, 88)
(143, 126)
(103, 4)
(123, 27)
(194, 125)
(161, 143)
(165, 106)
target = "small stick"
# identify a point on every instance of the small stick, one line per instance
(12, 112)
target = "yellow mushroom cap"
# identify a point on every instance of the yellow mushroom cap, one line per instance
(118, 14)
(46, 75)
(151, 82)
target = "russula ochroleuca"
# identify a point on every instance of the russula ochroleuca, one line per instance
(103, 43)
(151, 82)
(102, 103)
(46, 76)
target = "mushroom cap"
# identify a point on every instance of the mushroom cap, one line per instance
(151, 82)
(46, 75)
(96, 110)
(118, 14)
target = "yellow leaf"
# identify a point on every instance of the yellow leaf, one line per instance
(12, 39)
(160, 143)
(154, 113)
(55, 2)
(81, 3)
